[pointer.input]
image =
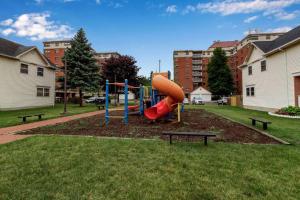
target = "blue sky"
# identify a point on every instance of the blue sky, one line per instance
(149, 30)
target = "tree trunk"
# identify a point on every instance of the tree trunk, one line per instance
(80, 98)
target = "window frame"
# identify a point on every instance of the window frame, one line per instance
(250, 70)
(250, 91)
(40, 73)
(263, 66)
(22, 68)
(43, 91)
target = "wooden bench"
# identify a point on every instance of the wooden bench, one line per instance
(24, 117)
(100, 106)
(39, 115)
(264, 122)
(205, 135)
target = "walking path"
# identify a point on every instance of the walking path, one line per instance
(7, 134)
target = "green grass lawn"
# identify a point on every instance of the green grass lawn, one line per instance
(66, 167)
(286, 129)
(56, 167)
(10, 118)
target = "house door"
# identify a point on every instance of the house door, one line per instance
(297, 90)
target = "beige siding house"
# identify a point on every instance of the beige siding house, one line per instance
(271, 73)
(27, 78)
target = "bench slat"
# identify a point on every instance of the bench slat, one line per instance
(202, 134)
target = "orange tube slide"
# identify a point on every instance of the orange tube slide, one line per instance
(174, 95)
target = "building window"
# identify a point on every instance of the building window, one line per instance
(40, 71)
(56, 44)
(263, 65)
(56, 51)
(46, 45)
(56, 59)
(250, 91)
(268, 37)
(250, 70)
(43, 91)
(24, 68)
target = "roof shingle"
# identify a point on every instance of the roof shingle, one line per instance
(268, 46)
(12, 49)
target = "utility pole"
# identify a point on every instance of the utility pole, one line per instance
(116, 91)
(65, 87)
(159, 65)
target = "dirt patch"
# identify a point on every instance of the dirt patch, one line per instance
(140, 127)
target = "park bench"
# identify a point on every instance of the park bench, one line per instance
(100, 106)
(24, 117)
(263, 121)
(205, 135)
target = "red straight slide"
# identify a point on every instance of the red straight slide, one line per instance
(174, 95)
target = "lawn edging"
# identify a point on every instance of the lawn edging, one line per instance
(284, 116)
(255, 129)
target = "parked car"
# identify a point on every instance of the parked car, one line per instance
(198, 101)
(100, 100)
(91, 99)
(186, 101)
(223, 101)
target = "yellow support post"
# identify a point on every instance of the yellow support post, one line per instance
(178, 112)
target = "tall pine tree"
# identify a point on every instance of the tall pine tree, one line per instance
(220, 81)
(83, 72)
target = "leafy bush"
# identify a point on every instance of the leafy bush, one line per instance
(290, 110)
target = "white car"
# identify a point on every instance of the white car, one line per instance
(91, 99)
(198, 101)
(223, 101)
(186, 101)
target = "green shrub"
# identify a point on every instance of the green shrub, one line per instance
(290, 110)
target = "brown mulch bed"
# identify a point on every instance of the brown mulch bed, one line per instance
(140, 127)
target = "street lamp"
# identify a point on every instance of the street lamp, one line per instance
(65, 87)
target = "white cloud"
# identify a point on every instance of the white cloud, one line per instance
(230, 7)
(279, 29)
(7, 22)
(8, 31)
(98, 1)
(282, 15)
(270, 30)
(171, 9)
(37, 26)
(251, 19)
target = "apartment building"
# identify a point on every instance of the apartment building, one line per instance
(188, 70)
(101, 57)
(55, 51)
(190, 66)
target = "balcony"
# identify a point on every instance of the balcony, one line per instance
(196, 73)
(195, 68)
(197, 55)
(197, 61)
(197, 80)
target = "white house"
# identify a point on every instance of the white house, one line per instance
(131, 97)
(27, 78)
(202, 93)
(271, 73)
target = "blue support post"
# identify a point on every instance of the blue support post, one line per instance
(182, 107)
(106, 102)
(141, 100)
(126, 102)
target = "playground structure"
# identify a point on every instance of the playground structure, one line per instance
(161, 86)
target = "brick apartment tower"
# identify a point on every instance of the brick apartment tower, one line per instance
(190, 66)
(54, 51)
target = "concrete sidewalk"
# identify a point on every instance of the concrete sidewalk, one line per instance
(7, 134)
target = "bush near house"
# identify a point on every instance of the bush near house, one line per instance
(290, 110)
